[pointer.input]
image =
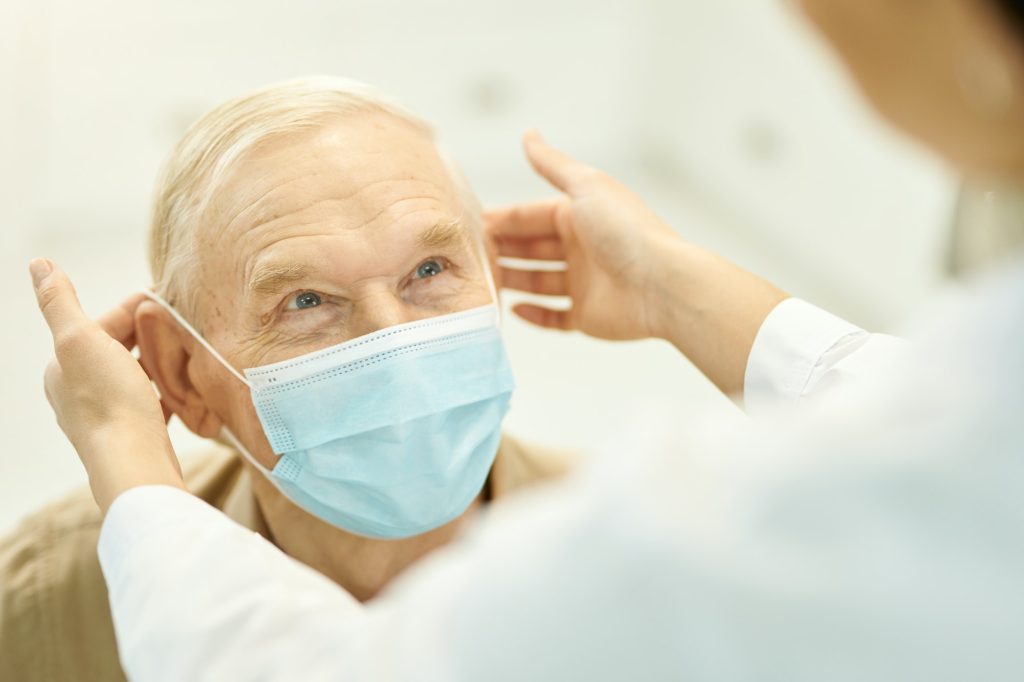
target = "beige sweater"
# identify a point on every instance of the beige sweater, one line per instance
(54, 619)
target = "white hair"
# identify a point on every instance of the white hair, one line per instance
(193, 174)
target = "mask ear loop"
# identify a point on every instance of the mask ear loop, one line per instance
(237, 445)
(156, 298)
(225, 431)
(490, 278)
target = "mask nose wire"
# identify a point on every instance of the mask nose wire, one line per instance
(158, 299)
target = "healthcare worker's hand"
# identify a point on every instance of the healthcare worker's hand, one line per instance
(102, 397)
(611, 242)
(627, 273)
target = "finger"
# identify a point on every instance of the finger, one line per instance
(168, 412)
(119, 322)
(541, 248)
(56, 298)
(534, 219)
(544, 282)
(543, 317)
(561, 170)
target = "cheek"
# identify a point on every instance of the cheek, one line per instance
(483, 277)
(231, 400)
(293, 325)
(482, 296)
(469, 294)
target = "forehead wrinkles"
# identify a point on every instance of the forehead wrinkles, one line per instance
(265, 190)
(234, 253)
(307, 201)
(291, 206)
(344, 161)
(308, 183)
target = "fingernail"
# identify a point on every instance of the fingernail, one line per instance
(40, 268)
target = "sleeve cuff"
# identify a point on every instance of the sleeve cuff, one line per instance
(788, 347)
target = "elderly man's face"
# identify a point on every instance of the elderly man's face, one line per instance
(321, 237)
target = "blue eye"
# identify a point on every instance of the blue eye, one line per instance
(306, 299)
(429, 268)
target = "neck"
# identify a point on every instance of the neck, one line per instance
(362, 566)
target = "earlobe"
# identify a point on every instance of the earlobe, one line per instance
(165, 351)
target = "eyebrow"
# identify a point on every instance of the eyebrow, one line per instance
(443, 234)
(269, 279)
(274, 277)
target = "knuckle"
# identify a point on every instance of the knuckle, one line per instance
(587, 177)
(70, 341)
(46, 296)
(517, 214)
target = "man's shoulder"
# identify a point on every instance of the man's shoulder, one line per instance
(54, 616)
(209, 474)
(73, 519)
(52, 596)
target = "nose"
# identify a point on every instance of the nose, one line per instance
(378, 311)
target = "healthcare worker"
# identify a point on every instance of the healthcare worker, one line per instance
(873, 532)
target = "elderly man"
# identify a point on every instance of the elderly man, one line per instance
(306, 216)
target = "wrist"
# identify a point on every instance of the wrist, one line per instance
(118, 460)
(669, 290)
(709, 309)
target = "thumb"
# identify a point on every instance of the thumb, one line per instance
(561, 170)
(56, 298)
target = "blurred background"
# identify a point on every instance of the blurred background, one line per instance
(728, 117)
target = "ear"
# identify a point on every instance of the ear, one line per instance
(166, 350)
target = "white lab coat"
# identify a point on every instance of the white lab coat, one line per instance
(874, 533)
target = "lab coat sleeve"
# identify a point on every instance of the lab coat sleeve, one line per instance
(191, 592)
(802, 352)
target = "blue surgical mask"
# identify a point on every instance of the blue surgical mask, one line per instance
(388, 435)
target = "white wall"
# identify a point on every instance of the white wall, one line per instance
(728, 116)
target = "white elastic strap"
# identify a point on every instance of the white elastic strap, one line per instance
(490, 280)
(237, 444)
(156, 298)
